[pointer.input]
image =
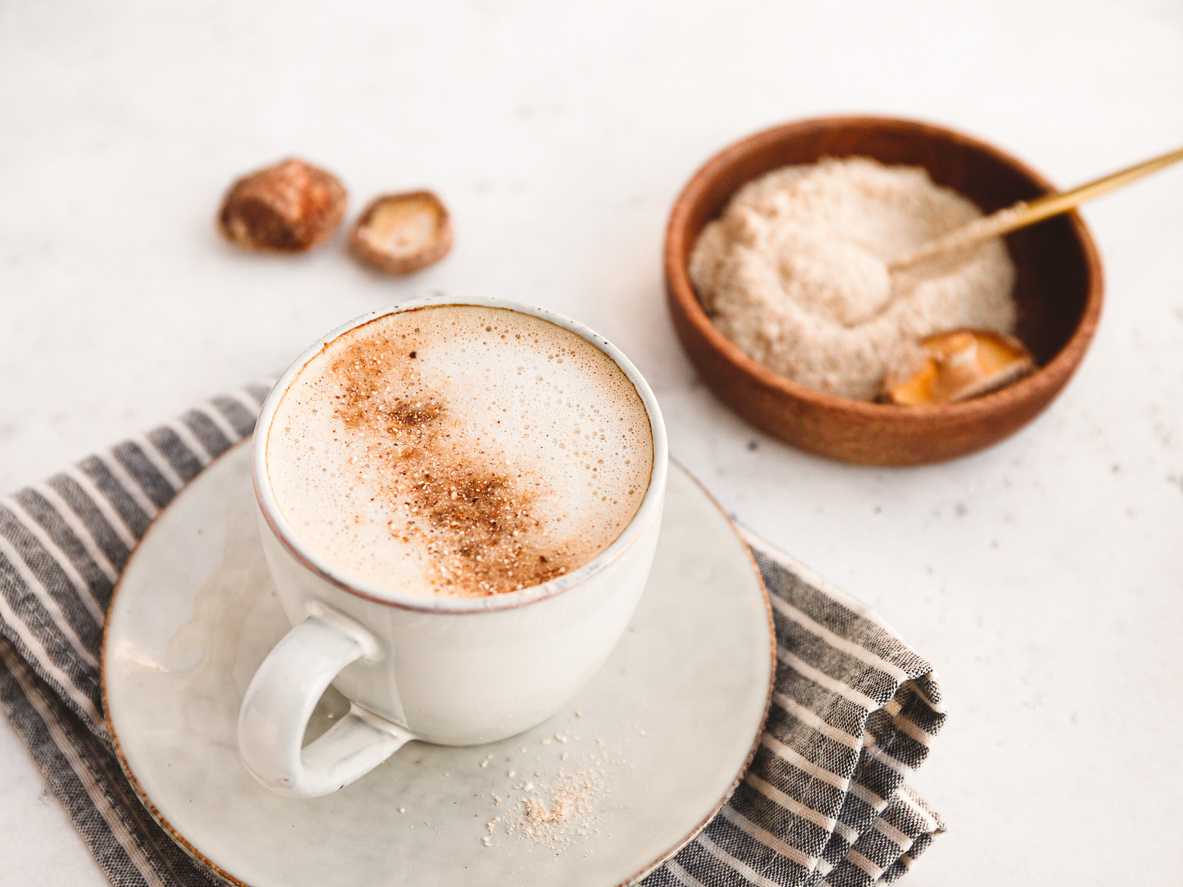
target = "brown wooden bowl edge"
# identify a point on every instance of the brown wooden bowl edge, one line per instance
(1036, 391)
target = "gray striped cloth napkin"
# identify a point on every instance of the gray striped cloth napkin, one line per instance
(824, 801)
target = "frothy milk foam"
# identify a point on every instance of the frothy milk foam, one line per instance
(459, 451)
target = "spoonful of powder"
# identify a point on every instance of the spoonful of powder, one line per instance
(845, 282)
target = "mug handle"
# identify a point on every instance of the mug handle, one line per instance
(279, 702)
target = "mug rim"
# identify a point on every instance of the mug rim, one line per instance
(648, 510)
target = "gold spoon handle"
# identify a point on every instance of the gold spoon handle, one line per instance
(1022, 214)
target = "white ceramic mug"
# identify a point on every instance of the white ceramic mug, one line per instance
(448, 670)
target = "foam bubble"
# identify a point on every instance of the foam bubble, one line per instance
(459, 450)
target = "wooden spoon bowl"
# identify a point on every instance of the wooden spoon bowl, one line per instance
(1058, 290)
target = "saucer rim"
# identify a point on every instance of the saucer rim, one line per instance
(215, 869)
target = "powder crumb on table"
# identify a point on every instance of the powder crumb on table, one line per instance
(794, 272)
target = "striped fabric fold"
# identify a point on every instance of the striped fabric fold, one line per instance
(854, 710)
(825, 800)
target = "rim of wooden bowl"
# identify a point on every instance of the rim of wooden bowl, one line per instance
(1044, 384)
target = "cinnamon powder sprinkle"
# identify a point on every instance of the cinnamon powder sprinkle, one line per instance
(475, 522)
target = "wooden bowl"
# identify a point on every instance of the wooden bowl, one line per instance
(1058, 289)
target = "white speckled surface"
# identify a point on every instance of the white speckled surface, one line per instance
(662, 731)
(1041, 577)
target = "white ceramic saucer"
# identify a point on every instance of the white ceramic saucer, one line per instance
(637, 764)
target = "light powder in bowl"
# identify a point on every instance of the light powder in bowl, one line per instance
(794, 272)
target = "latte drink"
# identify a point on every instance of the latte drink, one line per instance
(459, 450)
